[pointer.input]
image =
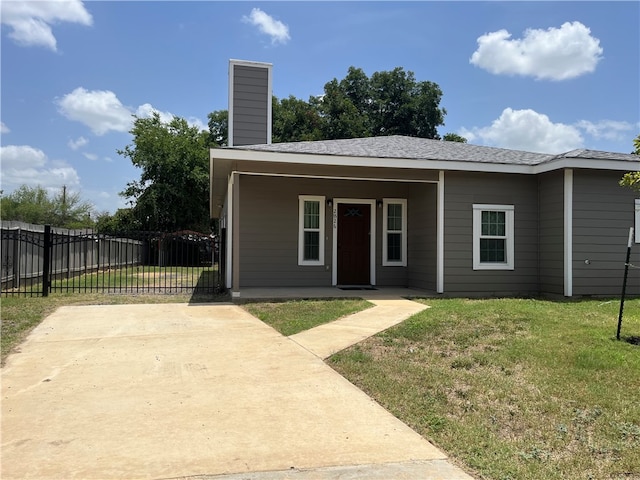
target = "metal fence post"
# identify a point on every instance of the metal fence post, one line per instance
(46, 261)
(624, 282)
(17, 258)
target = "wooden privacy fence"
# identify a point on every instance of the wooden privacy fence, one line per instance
(39, 259)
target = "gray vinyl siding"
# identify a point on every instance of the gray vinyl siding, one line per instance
(551, 238)
(422, 236)
(462, 190)
(268, 223)
(250, 104)
(603, 212)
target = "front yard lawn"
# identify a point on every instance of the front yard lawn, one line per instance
(513, 389)
(292, 317)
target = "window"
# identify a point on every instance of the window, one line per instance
(493, 237)
(311, 230)
(394, 231)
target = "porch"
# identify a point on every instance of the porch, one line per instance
(249, 294)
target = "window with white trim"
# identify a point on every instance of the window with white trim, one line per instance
(394, 232)
(311, 230)
(493, 237)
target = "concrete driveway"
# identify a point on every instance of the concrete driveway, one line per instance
(175, 390)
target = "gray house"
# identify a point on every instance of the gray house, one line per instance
(452, 218)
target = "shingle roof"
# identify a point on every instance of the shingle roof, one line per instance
(599, 155)
(397, 146)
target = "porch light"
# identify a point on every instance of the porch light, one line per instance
(329, 202)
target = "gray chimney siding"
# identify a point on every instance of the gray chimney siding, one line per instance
(249, 103)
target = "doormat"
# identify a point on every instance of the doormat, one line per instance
(357, 288)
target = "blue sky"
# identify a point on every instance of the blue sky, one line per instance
(536, 76)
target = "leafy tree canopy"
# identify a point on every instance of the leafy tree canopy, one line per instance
(173, 190)
(120, 222)
(295, 120)
(632, 179)
(218, 128)
(454, 137)
(387, 103)
(36, 205)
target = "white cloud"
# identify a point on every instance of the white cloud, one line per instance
(4, 128)
(100, 110)
(526, 130)
(278, 31)
(146, 110)
(76, 144)
(90, 156)
(31, 21)
(552, 54)
(196, 122)
(26, 165)
(608, 129)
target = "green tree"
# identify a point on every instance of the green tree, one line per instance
(120, 222)
(632, 179)
(295, 120)
(219, 128)
(454, 137)
(341, 117)
(36, 205)
(388, 103)
(173, 190)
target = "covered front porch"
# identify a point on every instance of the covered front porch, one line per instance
(319, 231)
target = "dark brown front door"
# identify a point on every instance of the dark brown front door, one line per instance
(354, 226)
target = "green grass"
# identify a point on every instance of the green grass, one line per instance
(134, 277)
(513, 389)
(289, 318)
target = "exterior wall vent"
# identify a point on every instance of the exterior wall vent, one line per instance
(249, 103)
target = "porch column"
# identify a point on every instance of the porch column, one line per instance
(235, 236)
(568, 232)
(440, 235)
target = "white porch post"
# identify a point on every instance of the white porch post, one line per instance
(568, 232)
(230, 224)
(440, 235)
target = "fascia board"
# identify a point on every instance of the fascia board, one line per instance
(347, 161)
(580, 163)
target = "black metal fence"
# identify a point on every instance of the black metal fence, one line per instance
(37, 260)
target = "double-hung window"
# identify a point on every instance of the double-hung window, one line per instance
(394, 227)
(493, 237)
(311, 230)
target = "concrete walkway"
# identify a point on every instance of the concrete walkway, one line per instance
(193, 391)
(327, 339)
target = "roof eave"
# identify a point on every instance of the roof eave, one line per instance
(353, 161)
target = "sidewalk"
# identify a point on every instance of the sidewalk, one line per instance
(327, 339)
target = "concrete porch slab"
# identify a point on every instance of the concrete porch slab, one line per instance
(290, 293)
